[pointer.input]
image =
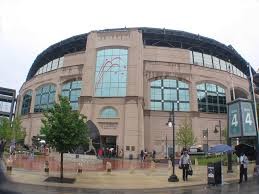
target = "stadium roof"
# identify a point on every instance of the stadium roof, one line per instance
(152, 37)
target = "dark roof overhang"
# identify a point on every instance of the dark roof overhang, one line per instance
(71, 45)
(194, 42)
(152, 37)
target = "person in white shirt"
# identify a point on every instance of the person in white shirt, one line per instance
(243, 167)
(185, 163)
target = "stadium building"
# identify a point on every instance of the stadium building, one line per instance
(126, 80)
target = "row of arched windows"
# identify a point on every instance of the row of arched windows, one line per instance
(164, 93)
(45, 96)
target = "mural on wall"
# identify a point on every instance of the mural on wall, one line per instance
(111, 72)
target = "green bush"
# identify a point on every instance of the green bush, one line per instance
(204, 160)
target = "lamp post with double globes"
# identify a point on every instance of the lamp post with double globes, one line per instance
(171, 123)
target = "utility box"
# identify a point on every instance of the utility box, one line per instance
(214, 173)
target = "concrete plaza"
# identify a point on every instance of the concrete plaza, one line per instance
(130, 175)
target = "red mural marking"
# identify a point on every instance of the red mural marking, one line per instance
(102, 71)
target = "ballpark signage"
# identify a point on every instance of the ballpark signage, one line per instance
(248, 119)
(241, 119)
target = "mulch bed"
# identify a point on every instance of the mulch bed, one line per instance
(58, 180)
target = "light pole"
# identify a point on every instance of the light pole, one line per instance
(206, 135)
(216, 130)
(171, 123)
(166, 146)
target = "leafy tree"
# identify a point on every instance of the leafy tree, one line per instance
(224, 134)
(64, 128)
(185, 136)
(5, 129)
(12, 130)
(18, 132)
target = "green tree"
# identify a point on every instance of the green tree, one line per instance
(64, 128)
(224, 135)
(18, 132)
(185, 136)
(12, 130)
(5, 129)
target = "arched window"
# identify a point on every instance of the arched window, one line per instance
(111, 72)
(109, 112)
(211, 98)
(26, 103)
(72, 90)
(167, 91)
(45, 97)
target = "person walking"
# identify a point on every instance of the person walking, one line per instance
(243, 167)
(185, 163)
(2, 145)
(142, 155)
(154, 155)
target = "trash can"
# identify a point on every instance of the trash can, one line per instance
(214, 173)
(131, 156)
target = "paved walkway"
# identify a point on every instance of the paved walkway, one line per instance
(122, 179)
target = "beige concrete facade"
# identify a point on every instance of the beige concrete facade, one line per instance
(137, 126)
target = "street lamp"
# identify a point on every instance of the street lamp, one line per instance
(171, 123)
(206, 135)
(216, 130)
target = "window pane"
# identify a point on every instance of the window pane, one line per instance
(221, 90)
(156, 83)
(74, 95)
(184, 95)
(49, 66)
(223, 65)
(170, 94)
(184, 106)
(197, 57)
(211, 87)
(74, 105)
(156, 105)
(168, 106)
(76, 84)
(211, 99)
(169, 83)
(44, 68)
(216, 63)
(202, 107)
(201, 96)
(72, 90)
(60, 62)
(229, 67)
(55, 64)
(41, 70)
(156, 94)
(163, 95)
(207, 60)
(45, 97)
(26, 104)
(109, 113)
(111, 72)
(182, 85)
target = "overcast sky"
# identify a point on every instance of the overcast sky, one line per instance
(27, 27)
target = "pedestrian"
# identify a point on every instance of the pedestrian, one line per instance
(185, 163)
(142, 155)
(121, 153)
(154, 155)
(145, 154)
(100, 153)
(243, 167)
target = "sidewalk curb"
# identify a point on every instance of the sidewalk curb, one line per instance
(230, 181)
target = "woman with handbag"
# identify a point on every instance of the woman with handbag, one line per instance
(185, 163)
